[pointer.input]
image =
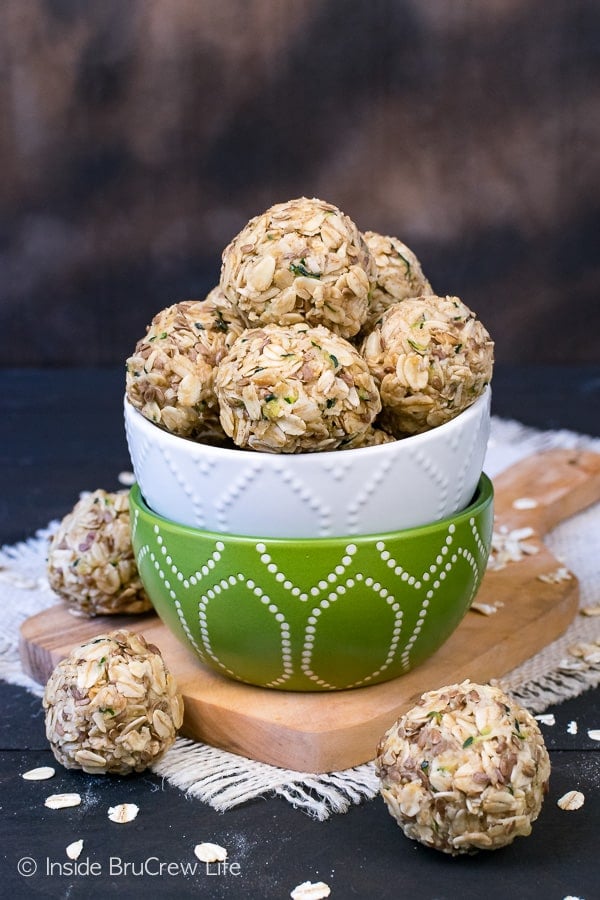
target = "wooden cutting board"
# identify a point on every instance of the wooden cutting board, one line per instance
(324, 732)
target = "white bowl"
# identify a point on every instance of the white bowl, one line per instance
(403, 484)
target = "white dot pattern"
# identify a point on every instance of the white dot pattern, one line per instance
(330, 591)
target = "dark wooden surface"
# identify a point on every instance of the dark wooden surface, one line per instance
(139, 137)
(62, 433)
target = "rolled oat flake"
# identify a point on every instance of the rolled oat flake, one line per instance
(39, 774)
(207, 852)
(571, 800)
(73, 851)
(124, 812)
(61, 801)
(310, 890)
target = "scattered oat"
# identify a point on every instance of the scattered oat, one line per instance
(60, 801)
(594, 734)
(127, 479)
(16, 580)
(572, 727)
(311, 890)
(521, 534)
(572, 665)
(571, 800)
(508, 546)
(73, 851)
(590, 610)
(589, 653)
(557, 576)
(39, 774)
(208, 853)
(546, 719)
(486, 609)
(524, 503)
(124, 812)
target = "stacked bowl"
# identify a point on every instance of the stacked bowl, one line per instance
(310, 510)
(313, 571)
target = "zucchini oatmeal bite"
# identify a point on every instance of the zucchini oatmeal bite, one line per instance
(398, 274)
(465, 769)
(112, 706)
(170, 375)
(90, 564)
(372, 437)
(300, 261)
(431, 358)
(294, 389)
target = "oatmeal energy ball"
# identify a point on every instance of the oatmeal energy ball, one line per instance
(300, 261)
(91, 565)
(294, 389)
(170, 376)
(431, 358)
(465, 769)
(372, 437)
(398, 274)
(112, 707)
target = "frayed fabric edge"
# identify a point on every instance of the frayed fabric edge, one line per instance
(555, 687)
(228, 780)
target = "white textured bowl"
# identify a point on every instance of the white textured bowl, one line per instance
(404, 484)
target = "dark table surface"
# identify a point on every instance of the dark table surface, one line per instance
(62, 433)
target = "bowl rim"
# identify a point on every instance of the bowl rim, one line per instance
(483, 497)
(194, 447)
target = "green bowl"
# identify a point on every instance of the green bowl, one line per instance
(320, 614)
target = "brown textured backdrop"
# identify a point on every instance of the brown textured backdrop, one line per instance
(139, 136)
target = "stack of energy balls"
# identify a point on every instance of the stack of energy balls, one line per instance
(318, 337)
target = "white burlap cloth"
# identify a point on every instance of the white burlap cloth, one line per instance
(224, 779)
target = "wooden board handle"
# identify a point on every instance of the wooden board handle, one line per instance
(561, 482)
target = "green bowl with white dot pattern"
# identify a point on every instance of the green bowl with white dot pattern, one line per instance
(317, 614)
